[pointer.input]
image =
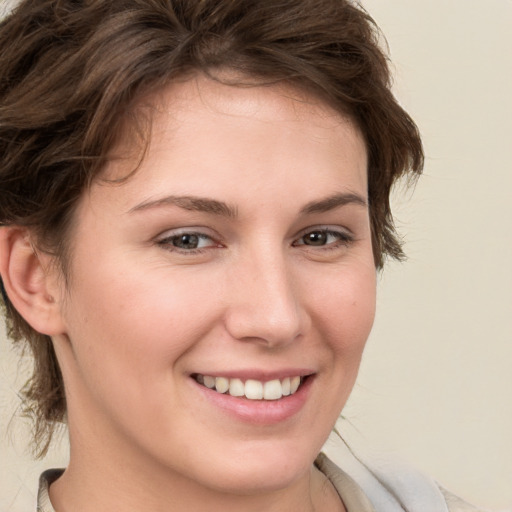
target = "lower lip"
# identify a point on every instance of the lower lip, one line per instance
(259, 412)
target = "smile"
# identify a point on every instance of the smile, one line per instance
(251, 389)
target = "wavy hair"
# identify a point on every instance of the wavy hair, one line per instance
(72, 70)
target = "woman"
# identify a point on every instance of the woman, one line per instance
(195, 200)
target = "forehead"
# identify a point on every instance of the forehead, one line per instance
(179, 110)
(211, 139)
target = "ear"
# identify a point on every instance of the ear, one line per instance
(30, 280)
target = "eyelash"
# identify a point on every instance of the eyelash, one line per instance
(168, 242)
(343, 238)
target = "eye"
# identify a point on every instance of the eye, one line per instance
(187, 241)
(324, 237)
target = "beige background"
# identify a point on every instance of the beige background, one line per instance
(435, 387)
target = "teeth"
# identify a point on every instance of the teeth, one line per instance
(252, 389)
(272, 390)
(209, 382)
(236, 387)
(286, 386)
(221, 384)
(294, 384)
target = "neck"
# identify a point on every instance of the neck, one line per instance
(102, 491)
(102, 477)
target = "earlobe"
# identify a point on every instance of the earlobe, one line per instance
(30, 281)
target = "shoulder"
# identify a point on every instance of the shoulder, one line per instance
(389, 487)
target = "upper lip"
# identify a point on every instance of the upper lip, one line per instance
(257, 374)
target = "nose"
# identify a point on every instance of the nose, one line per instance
(264, 303)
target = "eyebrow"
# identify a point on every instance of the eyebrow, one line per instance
(192, 203)
(207, 205)
(333, 202)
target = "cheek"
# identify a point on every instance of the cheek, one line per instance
(135, 339)
(126, 337)
(121, 322)
(346, 310)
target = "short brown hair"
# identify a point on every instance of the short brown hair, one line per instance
(71, 70)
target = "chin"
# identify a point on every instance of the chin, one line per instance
(261, 469)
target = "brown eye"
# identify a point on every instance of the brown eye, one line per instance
(328, 238)
(315, 238)
(185, 241)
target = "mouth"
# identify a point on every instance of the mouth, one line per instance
(252, 389)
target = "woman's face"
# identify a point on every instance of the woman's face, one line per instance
(239, 253)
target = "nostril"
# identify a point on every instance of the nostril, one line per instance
(271, 326)
(264, 306)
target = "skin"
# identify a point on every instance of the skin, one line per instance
(139, 315)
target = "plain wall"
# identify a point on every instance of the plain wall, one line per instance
(435, 387)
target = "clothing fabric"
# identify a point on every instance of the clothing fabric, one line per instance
(43, 496)
(402, 490)
(350, 491)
